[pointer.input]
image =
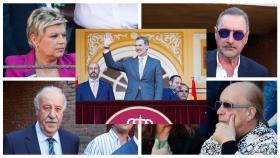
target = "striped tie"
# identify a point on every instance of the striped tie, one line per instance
(51, 149)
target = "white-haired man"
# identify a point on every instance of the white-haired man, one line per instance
(45, 136)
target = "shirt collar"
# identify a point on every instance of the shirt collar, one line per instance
(144, 57)
(114, 136)
(219, 65)
(41, 136)
(91, 80)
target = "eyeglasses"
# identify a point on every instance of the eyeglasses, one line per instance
(237, 35)
(228, 105)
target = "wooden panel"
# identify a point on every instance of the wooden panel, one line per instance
(263, 19)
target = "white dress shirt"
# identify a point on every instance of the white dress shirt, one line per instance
(144, 58)
(104, 144)
(44, 144)
(106, 16)
(91, 84)
(222, 73)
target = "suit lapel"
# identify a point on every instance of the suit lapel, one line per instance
(135, 67)
(100, 89)
(147, 65)
(242, 69)
(32, 144)
(64, 144)
(211, 63)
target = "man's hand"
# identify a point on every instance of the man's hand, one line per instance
(163, 151)
(107, 40)
(225, 132)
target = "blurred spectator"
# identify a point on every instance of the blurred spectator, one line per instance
(183, 92)
(131, 147)
(171, 139)
(104, 16)
(107, 143)
(171, 93)
(270, 103)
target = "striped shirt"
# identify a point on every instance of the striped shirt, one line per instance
(104, 144)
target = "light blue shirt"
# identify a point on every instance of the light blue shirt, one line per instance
(44, 144)
(104, 144)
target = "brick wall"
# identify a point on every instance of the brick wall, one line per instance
(19, 111)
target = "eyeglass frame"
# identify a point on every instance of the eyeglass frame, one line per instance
(244, 33)
(231, 105)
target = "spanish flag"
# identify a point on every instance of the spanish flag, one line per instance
(76, 82)
(193, 90)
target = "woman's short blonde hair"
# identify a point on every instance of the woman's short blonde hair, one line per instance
(42, 18)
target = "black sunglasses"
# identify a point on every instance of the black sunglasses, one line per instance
(237, 35)
(228, 105)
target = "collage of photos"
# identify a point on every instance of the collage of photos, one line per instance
(139, 79)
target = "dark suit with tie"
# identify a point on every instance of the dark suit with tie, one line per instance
(169, 94)
(25, 141)
(247, 67)
(84, 92)
(150, 86)
(129, 148)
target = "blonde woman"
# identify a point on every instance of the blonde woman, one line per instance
(46, 33)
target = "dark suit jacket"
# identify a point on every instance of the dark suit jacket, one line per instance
(129, 148)
(151, 83)
(168, 94)
(247, 67)
(84, 93)
(25, 141)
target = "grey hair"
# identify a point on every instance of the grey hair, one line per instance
(255, 97)
(48, 89)
(145, 39)
(42, 18)
(234, 11)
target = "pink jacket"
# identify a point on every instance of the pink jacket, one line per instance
(29, 59)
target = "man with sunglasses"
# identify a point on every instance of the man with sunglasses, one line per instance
(241, 128)
(231, 34)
